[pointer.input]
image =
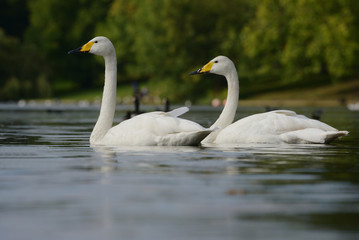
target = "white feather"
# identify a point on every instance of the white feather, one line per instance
(178, 111)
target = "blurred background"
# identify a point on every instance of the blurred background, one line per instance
(289, 50)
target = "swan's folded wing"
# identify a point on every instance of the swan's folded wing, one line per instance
(285, 112)
(178, 111)
(183, 138)
(156, 128)
(174, 113)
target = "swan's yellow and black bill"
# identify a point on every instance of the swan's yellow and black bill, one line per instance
(84, 49)
(205, 69)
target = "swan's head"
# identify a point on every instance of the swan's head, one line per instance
(220, 65)
(99, 45)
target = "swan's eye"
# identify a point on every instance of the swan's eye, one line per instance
(215, 61)
(96, 41)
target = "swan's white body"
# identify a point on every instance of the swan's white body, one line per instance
(147, 129)
(154, 129)
(281, 126)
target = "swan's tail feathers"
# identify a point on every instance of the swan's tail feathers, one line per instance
(178, 111)
(311, 135)
(334, 135)
(184, 138)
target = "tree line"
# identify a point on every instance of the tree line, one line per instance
(272, 42)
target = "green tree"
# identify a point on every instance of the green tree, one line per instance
(57, 26)
(298, 39)
(161, 41)
(20, 70)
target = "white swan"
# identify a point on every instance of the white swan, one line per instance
(148, 129)
(281, 126)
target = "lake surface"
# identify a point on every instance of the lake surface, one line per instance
(53, 185)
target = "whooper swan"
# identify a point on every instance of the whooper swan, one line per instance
(281, 126)
(148, 129)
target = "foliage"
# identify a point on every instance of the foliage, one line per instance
(159, 42)
(20, 71)
(294, 40)
(57, 26)
(162, 41)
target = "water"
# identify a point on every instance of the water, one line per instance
(53, 185)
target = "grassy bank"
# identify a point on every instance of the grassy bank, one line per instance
(324, 95)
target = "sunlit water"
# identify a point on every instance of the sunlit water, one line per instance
(53, 185)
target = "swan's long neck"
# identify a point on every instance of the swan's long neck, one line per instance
(229, 110)
(108, 105)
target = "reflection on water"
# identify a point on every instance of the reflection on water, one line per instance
(54, 185)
